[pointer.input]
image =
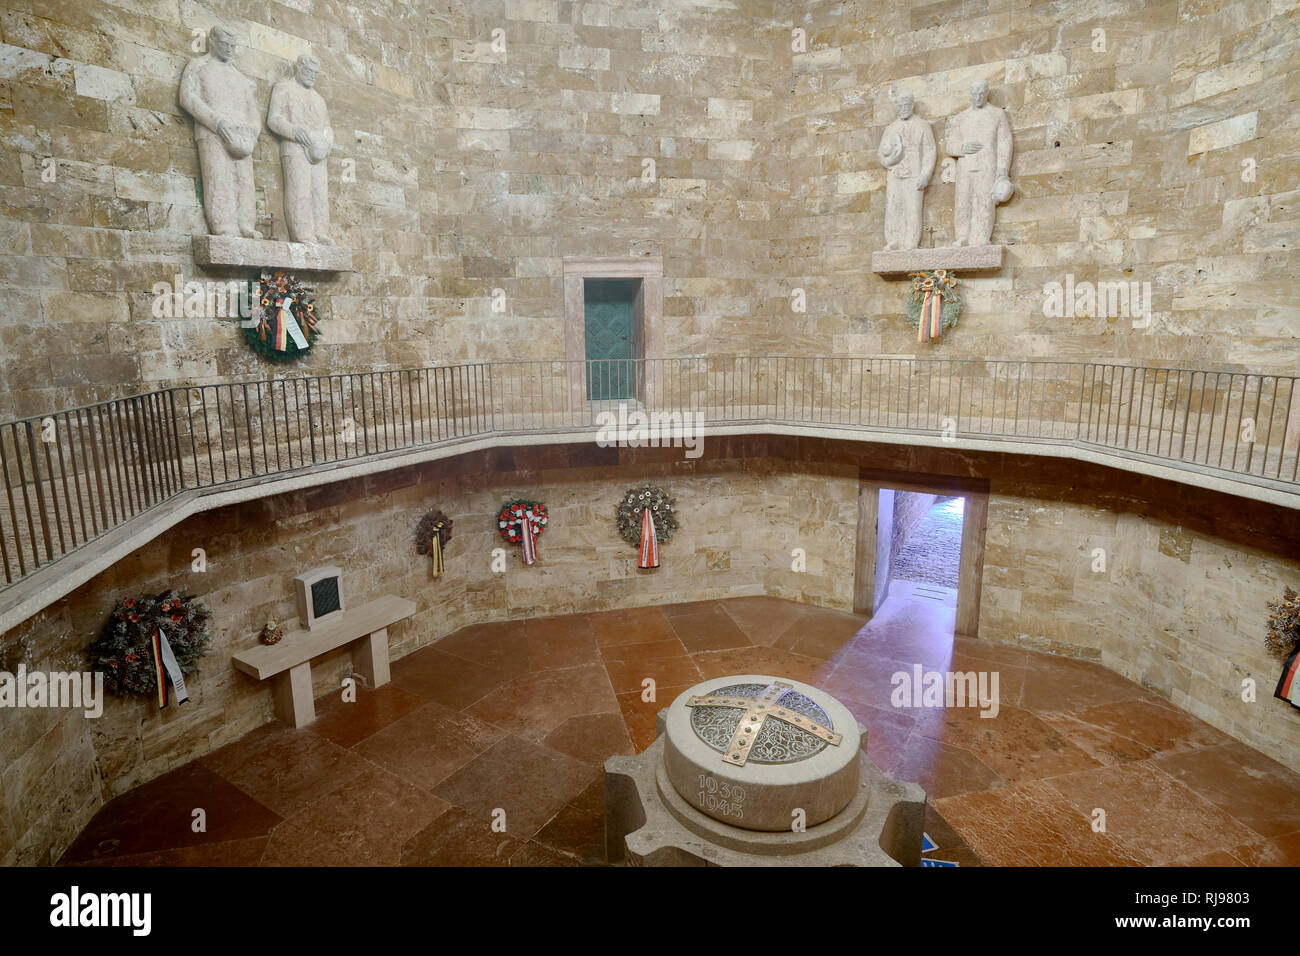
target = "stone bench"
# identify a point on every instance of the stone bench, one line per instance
(289, 661)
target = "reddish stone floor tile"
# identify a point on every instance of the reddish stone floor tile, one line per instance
(427, 746)
(941, 769)
(821, 633)
(500, 646)
(459, 838)
(285, 768)
(627, 677)
(245, 852)
(1156, 817)
(1055, 684)
(642, 625)
(158, 815)
(534, 854)
(535, 704)
(1277, 851)
(528, 781)
(575, 833)
(762, 619)
(1015, 744)
(568, 641)
(445, 678)
(1104, 746)
(1030, 825)
(364, 822)
(762, 660)
(710, 630)
(640, 715)
(1160, 727)
(591, 738)
(348, 723)
(650, 651)
(1261, 793)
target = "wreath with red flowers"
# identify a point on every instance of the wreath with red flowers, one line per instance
(278, 333)
(124, 651)
(513, 515)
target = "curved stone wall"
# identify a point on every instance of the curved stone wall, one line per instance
(1179, 607)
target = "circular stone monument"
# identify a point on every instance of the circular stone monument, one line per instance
(761, 752)
(751, 770)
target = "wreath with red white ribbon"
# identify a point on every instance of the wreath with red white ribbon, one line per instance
(520, 522)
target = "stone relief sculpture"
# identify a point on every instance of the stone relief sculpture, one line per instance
(980, 139)
(226, 128)
(907, 150)
(298, 116)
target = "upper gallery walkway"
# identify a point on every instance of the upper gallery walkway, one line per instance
(86, 486)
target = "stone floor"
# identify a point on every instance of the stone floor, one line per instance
(519, 716)
(932, 552)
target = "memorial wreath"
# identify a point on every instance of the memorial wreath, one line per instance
(284, 323)
(150, 642)
(520, 522)
(645, 516)
(933, 303)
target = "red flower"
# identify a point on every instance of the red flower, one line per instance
(177, 618)
(129, 602)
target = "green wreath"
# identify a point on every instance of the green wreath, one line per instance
(635, 501)
(124, 651)
(264, 331)
(949, 289)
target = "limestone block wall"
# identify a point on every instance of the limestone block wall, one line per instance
(1155, 142)
(463, 166)
(60, 767)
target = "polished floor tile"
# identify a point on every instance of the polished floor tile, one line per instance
(518, 717)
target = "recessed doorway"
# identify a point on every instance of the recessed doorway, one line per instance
(612, 330)
(921, 539)
(613, 327)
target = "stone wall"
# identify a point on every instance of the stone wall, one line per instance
(1178, 604)
(909, 508)
(1154, 142)
(461, 168)
(59, 767)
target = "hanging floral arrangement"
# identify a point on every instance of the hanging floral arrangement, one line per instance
(284, 324)
(520, 522)
(1282, 639)
(933, 303)
(431, 537)
(645, 516)
(150, 642)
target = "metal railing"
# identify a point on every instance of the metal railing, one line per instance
(74, 475)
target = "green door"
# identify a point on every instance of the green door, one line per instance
(609, 305)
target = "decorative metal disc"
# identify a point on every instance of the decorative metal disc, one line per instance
(777, 741)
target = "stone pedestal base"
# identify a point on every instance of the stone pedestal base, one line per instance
(270, 254)
(957, 258)
(648, 824)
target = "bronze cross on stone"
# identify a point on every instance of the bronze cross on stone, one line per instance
(757, 711)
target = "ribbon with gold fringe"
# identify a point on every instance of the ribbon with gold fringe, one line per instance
(435, 553)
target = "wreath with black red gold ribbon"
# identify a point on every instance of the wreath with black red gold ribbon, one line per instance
(933, 303)
(284, 324)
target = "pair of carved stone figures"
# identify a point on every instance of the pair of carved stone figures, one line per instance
(978, 138)
(227, 125)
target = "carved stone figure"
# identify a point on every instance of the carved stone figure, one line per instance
(299, 117)
(226, 128)
(980, 139)
(907, 150)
